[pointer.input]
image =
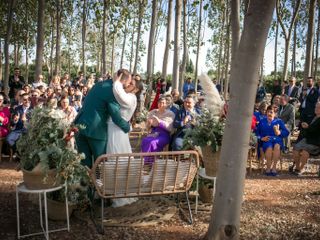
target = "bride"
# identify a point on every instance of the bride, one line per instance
(118, 141)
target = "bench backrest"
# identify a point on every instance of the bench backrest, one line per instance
(123, 175)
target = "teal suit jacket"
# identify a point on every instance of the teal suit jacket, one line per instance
(99, 105)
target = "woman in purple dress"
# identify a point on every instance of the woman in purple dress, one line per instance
(160, 122)
(270, 132)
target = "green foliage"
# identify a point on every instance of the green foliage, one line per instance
(207, 131)
(44, 145)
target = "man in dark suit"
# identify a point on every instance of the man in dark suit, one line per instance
(16, 82)
(292, 90)
(287, 115)
(308, 100)
(98, 106)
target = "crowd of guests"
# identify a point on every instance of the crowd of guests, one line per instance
(276, 122)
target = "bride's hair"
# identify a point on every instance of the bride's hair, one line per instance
(139, 86)
(125, 74)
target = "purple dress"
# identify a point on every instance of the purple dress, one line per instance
(159, 136)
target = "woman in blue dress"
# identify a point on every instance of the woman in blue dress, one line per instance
(270, 132)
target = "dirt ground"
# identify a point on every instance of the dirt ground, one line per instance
(284, 207)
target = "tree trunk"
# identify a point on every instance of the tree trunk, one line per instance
(124, 42)
(58, 38)
(198, 45)
(132, 44)
(15, 55)
(185, 47)
(112, 54)
(84, 30)
(1, 61)
(226, 70)
(103, 55)
(151, 40)
(175, 70)
(235, 28)
(287, 33)
(168, 39)
(276, 52)
(40, 38)
(225, 216)
(52, 46)
(27, 53)
(221, 46)
(310, 36)
(294, 51)
(141, 12)
(317, 44)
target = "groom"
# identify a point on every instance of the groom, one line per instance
(99, 104)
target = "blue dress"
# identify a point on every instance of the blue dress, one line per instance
(265, 129)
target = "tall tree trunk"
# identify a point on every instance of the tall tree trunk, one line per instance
(12, 5)
(141, 12)
(235, 28)
(198, 45)
(151, 40)
(225, 218)
(124, 42)
(276, 52)
(27, 52)
(40, 38)
(52, 45)
(112, 54)
(294, 51)
(1, 61)
(310, 37)
(168, 39)
(132, 44)
(175, 70)
(151, 46)
(15, 54)
(185, 47)
(226, 70)
(287, 33)
(84, 30)
(103, 55)
(58, 38)
(261, 70)
(317, 44)
(221, 46)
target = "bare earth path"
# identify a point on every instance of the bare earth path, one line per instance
(284, 207)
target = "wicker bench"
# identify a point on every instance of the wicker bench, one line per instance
(314, 160)
(126, 175)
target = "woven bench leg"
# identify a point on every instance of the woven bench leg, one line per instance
(189, 207)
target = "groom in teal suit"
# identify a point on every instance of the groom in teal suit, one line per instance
(99, 105)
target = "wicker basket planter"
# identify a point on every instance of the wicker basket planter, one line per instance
(37, 179)
(206, 193)
(57, 210)
(210, 160)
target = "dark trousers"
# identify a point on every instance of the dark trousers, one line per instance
(92, 148)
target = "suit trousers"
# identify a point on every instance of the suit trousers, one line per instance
(91, 147)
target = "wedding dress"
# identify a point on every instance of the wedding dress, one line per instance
(118, 141)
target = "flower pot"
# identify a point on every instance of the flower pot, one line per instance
(210, 160)
(206, 193)
(37, 179)
(57, 210)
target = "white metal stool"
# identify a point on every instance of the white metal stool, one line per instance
(22, 188)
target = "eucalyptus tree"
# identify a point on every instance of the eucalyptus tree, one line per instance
(11, 6)
(176, 54)
(286, 20)
(185, 46)
(40, 37)
(58, 36)
(225, 215)
(168, 40)
(317, 42)
(310, 39)
(141, 11)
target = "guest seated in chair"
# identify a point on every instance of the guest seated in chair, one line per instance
(160, 122)
(271, 132)
(184, 119)
(309, 144)
(4, 117)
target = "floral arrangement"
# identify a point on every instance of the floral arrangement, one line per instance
(207, 131)
(46, 145)
(209, 127)
(141, 116)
